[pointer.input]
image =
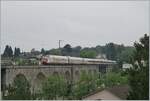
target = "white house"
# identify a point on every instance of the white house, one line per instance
(126, 66)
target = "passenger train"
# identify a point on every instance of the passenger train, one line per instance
(54, 59)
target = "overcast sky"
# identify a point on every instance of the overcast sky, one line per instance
(37, 24)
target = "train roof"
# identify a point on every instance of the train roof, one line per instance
(79, 58)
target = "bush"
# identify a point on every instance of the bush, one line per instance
(112, 79)
(86, 84)
(54, 87)
(19, 90)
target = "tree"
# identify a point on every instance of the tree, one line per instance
(139, 73)
(55, 86)
(76, 51)
(110, 51)
(88, 54)
(55, 52)
(42, 51)
(20, 89)
(125, 56)
(100, 49)
(17, 52)
(85, 85)
(67, 50)
(8, 52)
(5, 54)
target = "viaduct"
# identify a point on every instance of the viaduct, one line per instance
(36, 74)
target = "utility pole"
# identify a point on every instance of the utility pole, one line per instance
(59, 43)
(59, 46)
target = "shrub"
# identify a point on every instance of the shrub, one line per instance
(112, 79)
(54, 87)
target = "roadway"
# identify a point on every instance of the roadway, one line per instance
(114, 93)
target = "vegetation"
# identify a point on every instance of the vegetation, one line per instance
(119, 53)
(66, 50)
(8, 52)
(139, 73)
(17, 52)
(85, 85)
(19, 90)
(92, 82)
(113, 78)
(125, 56)
(111, 51)
(22, 62)
(43, 51)
(54, 87)
(57, 87)
(55, 52)
(88, 54)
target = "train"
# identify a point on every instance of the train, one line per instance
(55, 59)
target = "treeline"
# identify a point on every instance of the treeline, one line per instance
(111, 51)
(8, 52)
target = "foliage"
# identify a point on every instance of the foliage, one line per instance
(8, 52)
(88, 54)
(100, 49)
(91, 82)
(66, 50)
(21, 61)
(110, 51)
(113, 51)
(17, 52)
(76, 51)
(55, 51)
(19, 90)
(54, 87)
(125, 55)
(119, 53)
(42, 51)
(112, 79)
(85, 85)
(139, 73)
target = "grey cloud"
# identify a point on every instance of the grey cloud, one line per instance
(41, 24)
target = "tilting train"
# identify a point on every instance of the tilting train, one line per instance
(54, 59)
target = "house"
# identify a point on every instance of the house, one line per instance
(126, 66)
(101, 56)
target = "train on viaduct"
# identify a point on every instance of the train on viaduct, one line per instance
(70, 67)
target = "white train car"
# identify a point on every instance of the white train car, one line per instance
(55, 59)
(109, 62)
(52, 59)
(91, 61)
(75, 60)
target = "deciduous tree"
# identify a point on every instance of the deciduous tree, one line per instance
(139, 73)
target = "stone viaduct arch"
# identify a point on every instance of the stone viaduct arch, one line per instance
(67, 76)
(20, 77)
(90, 71)
(38, 81)
(55, 73)
(77, 74)
(36, 74)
